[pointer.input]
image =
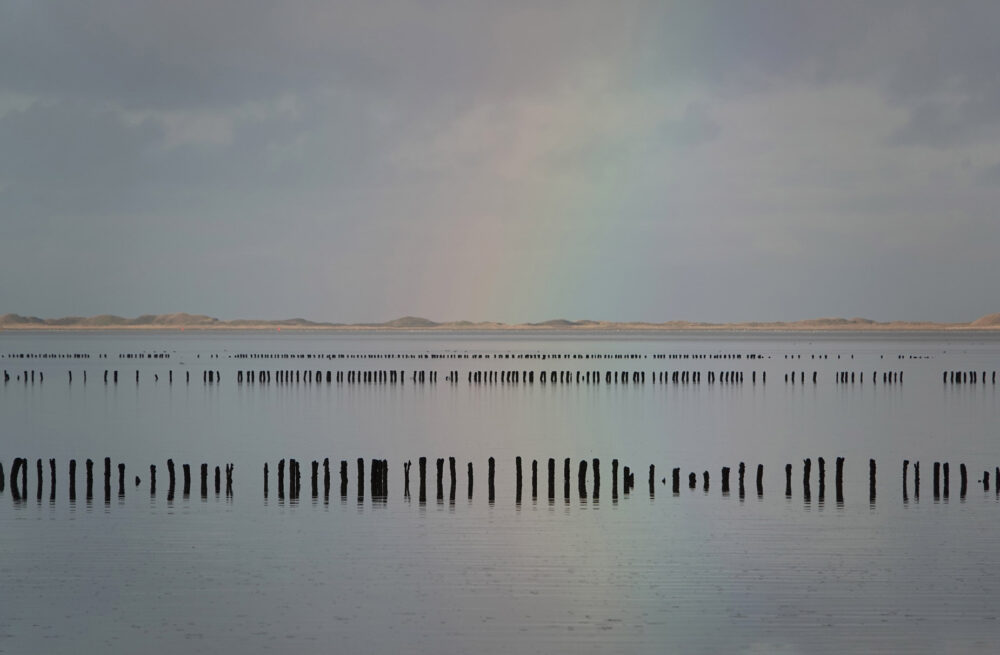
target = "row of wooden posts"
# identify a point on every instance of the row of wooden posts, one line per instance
(19, 479)
(517, 377)
(379, 478)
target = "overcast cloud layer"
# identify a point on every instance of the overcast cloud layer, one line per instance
(500, 160)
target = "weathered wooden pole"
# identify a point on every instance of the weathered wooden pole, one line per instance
(916, 480)
(406, 479)
(313, 478)
(963, 483)
(52, 480)
(517, 466)
(107, 479)
(552, 479)
(72, 479)
(742, 473)
(871, 480)
(187, 480)
(491, 475)
(806, 479)
(760, 480)
(705, 477)
(581, 479)
(440, 479)
(453, 479)
(944, 469)
(121, 480)
(725, 480)
(281, 479)
(597, 479)
(343, 478)
(361, 478)
(692, 480)
(534, 479)
(676, 481)
(566, 466)
(204, 480)
(937, 480)
(326, 477)
(652, 480)
(422, 466)
(822, 477)
(986, 480)
(15, 468)
(614, 479)
(788, 480)
(470, 480)
(839, 479)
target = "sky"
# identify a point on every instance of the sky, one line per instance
(500, 161)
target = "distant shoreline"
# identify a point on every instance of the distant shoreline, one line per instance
(192, 322)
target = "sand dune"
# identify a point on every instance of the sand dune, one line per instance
(200, 321)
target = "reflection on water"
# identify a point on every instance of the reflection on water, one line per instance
(553, 556)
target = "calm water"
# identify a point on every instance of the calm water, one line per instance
(696, 572)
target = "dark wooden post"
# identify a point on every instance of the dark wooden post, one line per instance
(760, 480)
(581, 479)
(343, 478)
(72, 479)
(534, 479)
(742, 474)
(806, 478)
(692, 480)
(361, 478)
(170, 478)
(326, 477)
(944, 468)
(470, 480)
(871, 479)
(916, 480)
(552, 478)
(986, 480)
(705, 477)
(963, 480)
(491, 474)
(788, 480)
(440, 479)
(187, 480)
(906, 470)
(517, 466)
(406, 479)
(566, 479)
(822, 477)
(652, 480)
(121, 480)
(453, 480)
(676, 481)
(281, 479)
(597, 478)
(52, 480)
(937, 480)
(725, 480)
(266, 476)
(422, 466)
(313, 479)
(204, 480)
(839, 479)
(614, 479)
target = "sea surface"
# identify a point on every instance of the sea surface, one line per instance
(698, 571)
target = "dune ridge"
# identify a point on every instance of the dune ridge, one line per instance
(181, 320)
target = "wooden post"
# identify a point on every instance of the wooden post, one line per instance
(121, 480)
(676, 481)
(963, 480)
(597, 478)
(52, 480)
(517, 465)
(326, 477)
(361, 478)
(552, 479)
(204, 480)
(313, 479)
(566, 479)
(944, 468)
(581, 479)
(470, 480)
(281, 479)
(986, 480)
(725, 480)
(806, 475)
(614, 479)
(822, 477)
(72, 479)
(906, 468)
(652, 480)
(107, 478)
(705, 476)
(871, 480)
(742, 474)
(491, 474)
(422, 466)
(266, 476)
(760, 480)
(937, 480)
(440, 479)
(839, 480)
(343, 479)
(187, 480)
(788, 480)
(534, 479)
(916, 480)
(692, 480)
(170, 478)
